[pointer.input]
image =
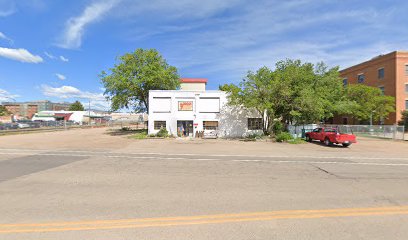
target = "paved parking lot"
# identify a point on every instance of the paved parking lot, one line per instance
(92, 184)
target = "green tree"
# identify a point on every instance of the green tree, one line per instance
(4, 111)
(255, 93)
(129, 81)
(365, 102)
(307, 93)
(404, 119)
(76, 106)
(294, 93)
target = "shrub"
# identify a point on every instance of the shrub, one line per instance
(162, 133)
(125, 129)
(254, 136)
(404, 120)
(283, 137)
(278, 127)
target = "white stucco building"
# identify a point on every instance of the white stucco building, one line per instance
(192, 109)
(74, 116)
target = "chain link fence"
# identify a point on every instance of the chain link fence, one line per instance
(127, 124)
(378, 131)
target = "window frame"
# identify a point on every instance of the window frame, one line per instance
(255, 123)
(406, 104)
(382, 88)
(379, 75)
(161, 126)
(406, 88)
(345, 82)
(166, 98)
(406, 69)
(210, 127)
(358, 78)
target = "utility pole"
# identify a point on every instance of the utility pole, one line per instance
(89, 113)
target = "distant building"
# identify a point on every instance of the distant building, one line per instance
(28, 109)
(79, 117)
(387, 72)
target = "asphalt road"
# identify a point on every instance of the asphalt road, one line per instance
(105, 194)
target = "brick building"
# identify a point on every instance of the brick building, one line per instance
(388, 72)
(28, 109)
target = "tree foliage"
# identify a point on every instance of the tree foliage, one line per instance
(363, 101)
(76, 106)
(404, 119)
(129, 81)
(294, 92)
(4, 111)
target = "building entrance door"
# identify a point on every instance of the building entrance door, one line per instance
(185, 128)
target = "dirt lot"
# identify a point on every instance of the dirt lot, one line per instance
(104, 140)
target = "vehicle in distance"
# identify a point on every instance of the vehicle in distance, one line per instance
(330, 136)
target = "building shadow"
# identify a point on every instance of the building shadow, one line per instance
(125, 132)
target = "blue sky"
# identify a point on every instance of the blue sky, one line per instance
(55, 49)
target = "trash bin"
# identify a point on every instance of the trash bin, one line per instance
(303, 133)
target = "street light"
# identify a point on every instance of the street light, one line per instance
(371, 118)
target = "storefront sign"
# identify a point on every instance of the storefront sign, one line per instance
(185, 106)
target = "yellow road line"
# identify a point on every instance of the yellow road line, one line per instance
(207, 216)
(195, 220)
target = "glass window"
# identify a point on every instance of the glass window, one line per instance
(406, 88)
(381, 73)
(345, 82)
(360, 78)
(255, 123)
(406, 70)
(382, 90)
(159, 125)
(210, 125)
(406, 104)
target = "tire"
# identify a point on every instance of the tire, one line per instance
(308, 139)
(346, 144)
(327, 142)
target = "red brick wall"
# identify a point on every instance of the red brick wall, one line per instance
(394, 79)
(402, 79)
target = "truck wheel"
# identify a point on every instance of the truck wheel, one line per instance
(346, 144)
(308, 139)
(327, 142)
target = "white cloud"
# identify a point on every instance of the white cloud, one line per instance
(20, 54)
(7, 8)
(62, 58)
(4, 37)
(98, 101)
(174, 9)
(49, 55)
(60, 76)
(75, 27)
(6, 96)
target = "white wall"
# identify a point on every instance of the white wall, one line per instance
(207, 106)
(192, 86)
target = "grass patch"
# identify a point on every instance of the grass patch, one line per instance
(139, 134)
(296, 141)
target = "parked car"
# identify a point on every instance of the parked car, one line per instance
(8, 126)
(23, 125)
(330, 136)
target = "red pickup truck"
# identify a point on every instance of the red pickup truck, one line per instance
(330, 136)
